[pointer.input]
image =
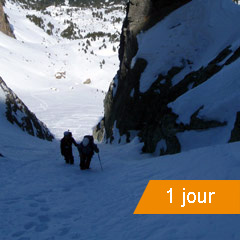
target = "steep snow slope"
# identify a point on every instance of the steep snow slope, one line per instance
(42, 198)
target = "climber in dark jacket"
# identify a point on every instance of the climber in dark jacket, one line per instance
(66, 147)
(86, 150)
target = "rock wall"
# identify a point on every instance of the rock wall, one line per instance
(18, 113)
(118, 104)
(4, 24)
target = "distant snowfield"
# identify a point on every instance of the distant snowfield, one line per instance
(41, 198)
(32, 64)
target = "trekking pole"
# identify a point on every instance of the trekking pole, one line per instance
(100, 162)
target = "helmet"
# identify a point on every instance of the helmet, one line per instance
(67, 133)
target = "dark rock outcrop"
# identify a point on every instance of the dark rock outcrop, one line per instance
(18, 113)
(99, 131)
(4, 24)
(235, 134)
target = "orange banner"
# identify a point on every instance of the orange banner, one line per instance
(190, 197)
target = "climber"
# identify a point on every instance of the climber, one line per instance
(86, 150)
(66, 147)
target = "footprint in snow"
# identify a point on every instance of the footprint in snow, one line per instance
(44, 209)
(18, 234)
(11, 202)
(29, 225)
(40, 200)
(64, 231)
(66, 189)
(44, 219)
(31, 196)
(34, 205)
(32, 214)
(50, 238)
(76, 236)
(41, 228)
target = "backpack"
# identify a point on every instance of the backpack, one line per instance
(90, 138)
(88, 150)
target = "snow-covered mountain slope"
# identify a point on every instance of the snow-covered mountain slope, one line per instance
(49, 70)
(182, 84)
(42, 198)
(91, 56)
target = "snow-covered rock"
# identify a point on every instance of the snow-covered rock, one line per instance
(178, 80)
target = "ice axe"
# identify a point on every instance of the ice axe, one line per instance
(100, 162)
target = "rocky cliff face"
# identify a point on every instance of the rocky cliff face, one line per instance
(130, 112)
(4, 24)
(118, 104)
(18, 113)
